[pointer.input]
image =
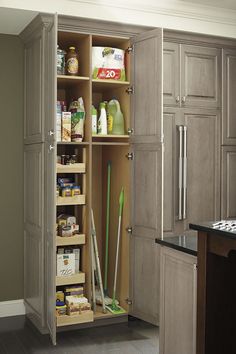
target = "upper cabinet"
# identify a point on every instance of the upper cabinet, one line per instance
(192, 76)
(229, 95)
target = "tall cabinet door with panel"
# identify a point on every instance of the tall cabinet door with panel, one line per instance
(228, 185)
(171, 74)
(229, 94)
(200, 76)
(39, 39)
(201, 167)
(147, 175)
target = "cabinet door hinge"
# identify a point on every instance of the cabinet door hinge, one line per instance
(130, 156)
(129, 301)
(130, 131)
(129, 230)
(130, 49)
(130, 90)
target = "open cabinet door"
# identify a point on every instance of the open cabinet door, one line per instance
(147, 166)
(39, 39)
(50, 175)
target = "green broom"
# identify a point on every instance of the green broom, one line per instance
(114, 308)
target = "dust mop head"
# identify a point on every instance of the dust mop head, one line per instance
(115, 309)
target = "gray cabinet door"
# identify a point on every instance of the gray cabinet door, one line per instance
(34, 233)
(229, 94)
(228, 185)
(40, 175)
(178, 302)
(146, 176)
(171, 74)
(202, 167)
(200, 76)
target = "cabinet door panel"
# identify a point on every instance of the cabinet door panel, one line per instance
(178, 302)
(203, 168)
(228, 182)
(33, 232)
(229, 94)
(201, 76)
(146, 175)
(146, 102)
(171, 74)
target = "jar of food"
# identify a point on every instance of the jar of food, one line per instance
(76, 191)
(60, 309)
(73, 159)
(72, 62)
(60, 61)
(66, 192)
(63, 159)
(67, 159)
(58, 191)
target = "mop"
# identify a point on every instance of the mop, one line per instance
(97, 266)
(114, 308)
(108, 300)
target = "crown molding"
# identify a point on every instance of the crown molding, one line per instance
(175, 9)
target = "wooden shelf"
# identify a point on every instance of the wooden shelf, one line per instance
(110, 136)
(73, 143)
(108, 84)
(110, 143)
(78, 278)
(73, 168)
(99, 315)
(72, 240)
(85, 316)
(68, 81)
(76, 200)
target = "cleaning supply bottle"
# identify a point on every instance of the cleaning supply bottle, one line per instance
(118, 125)
(111, 111)
(94, 120)
(102, 121)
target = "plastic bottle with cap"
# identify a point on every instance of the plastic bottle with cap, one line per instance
(102, 121)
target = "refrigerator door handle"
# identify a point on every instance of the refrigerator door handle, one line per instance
(180, 127)
(185, 173)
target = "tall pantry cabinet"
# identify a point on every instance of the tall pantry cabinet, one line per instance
(136, 165)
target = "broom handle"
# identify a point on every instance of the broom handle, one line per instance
(117, 258)
(107, 224)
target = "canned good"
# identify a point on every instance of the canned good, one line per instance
(61, 310)
(63, 159)
(60, 61)
(66, 192)
(76, 191)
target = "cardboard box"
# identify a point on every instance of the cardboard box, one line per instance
(76, 252)
(66, 126)
(58, 127)
(65, 264)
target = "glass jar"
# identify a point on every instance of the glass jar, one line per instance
(72, 62)
(60, 61)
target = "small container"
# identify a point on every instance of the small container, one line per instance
(58, 159)
(67, 159)
(61, 310)
(58, 191)
(73, 159)
(60, 297)
(66, 192)
(63, 159)
(72, 62)
(60, 61)
(76, 191)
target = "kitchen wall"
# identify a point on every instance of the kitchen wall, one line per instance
(11, 176)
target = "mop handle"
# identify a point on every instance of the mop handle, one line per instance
(107, 224)
(98, 262)
(121, 203)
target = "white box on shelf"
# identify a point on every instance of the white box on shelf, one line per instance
(65, 264)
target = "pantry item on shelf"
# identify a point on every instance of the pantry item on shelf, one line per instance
(116, 117)
(108, 63)
(58, 191)
(60, 296)
(102, 121)
(76, 305)
(65, 182)
(66, 126)
(73, 159)
(76, 252)
(60, 61)
(77, 290)
(58, 122)
(75, 191)
(94, 119)
(63, 159)
(77, 120)
(65, 231)
(65, 264)
(69, 220)
(66, 192)
(72, 62)
(61, 309)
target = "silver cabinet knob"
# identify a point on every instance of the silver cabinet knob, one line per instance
(183, 99)
(51, 132)
(51, 147)
(177, 99)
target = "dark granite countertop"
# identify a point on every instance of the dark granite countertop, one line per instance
(208, 227)
(187, 244)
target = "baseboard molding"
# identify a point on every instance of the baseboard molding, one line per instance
(12, 308)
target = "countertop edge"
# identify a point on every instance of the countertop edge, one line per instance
(210, 229)
(176, 247)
